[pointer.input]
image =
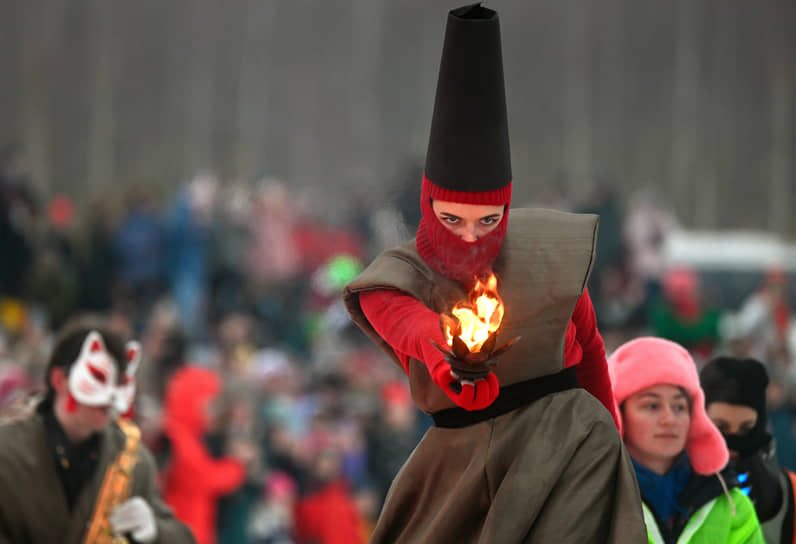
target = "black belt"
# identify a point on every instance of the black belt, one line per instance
(511, 397)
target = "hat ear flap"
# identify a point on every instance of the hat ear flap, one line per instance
(706, 447)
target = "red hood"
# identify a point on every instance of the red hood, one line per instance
(187, 395)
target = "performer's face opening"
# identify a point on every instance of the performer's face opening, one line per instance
(732, 419)
(656, 422)
(468, 221)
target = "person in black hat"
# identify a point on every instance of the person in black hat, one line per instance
(518, 451)
(735, 398)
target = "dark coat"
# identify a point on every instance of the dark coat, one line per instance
(33, 506)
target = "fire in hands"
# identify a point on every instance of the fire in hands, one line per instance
(471, 331)
(477, 318)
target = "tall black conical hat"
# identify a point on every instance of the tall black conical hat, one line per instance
(468, 148)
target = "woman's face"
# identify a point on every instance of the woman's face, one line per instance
(656, 422)
(468, 221)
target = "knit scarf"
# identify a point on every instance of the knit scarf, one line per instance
(661, 492)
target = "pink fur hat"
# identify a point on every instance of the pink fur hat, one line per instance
(647, 361)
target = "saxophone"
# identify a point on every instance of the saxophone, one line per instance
(116, 487)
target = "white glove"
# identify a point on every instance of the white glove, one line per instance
(135, 517)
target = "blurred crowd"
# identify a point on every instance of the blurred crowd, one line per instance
(272, 418)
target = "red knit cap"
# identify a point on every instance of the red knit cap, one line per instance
(443, 250)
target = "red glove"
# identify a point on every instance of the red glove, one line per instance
(407, 325)
(472, 395)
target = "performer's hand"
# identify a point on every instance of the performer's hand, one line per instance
(470, 395)
(135, 517)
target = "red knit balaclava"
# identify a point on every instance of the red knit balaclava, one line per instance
(468, 159)
(444, 251)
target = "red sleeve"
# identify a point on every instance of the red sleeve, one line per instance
(405, 323)
(592, 371)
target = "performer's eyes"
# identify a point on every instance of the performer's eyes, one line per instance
(489, 221)
(451, 219)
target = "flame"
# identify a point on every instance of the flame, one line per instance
(479, 317)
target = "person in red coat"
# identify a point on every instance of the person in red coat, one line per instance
(195, 480)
